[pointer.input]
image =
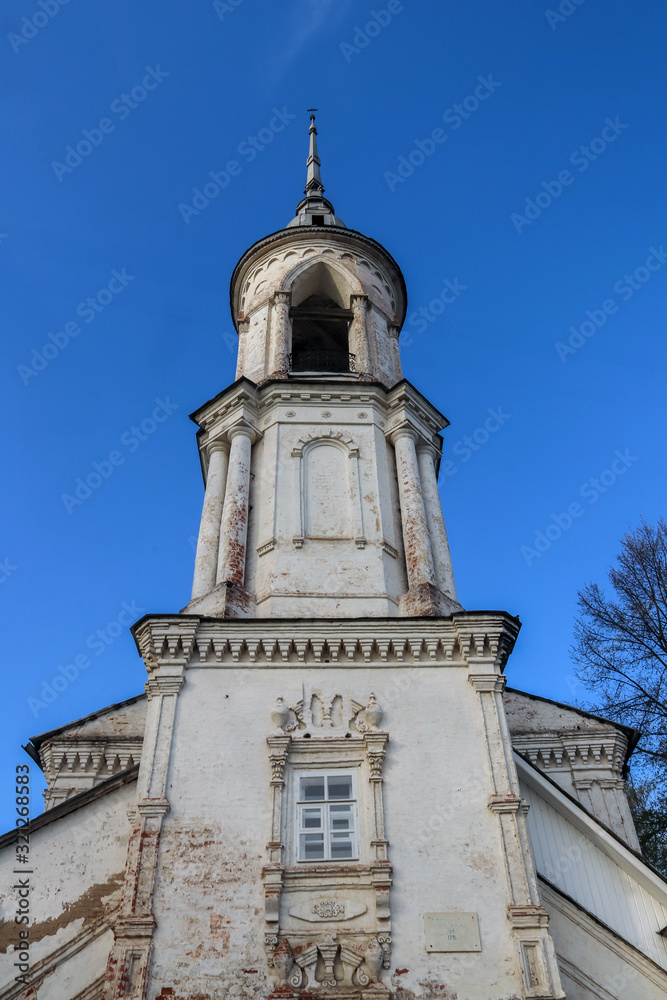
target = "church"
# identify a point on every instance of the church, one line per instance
(326, 789)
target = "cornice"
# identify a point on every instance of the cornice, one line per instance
(576, 749)
(402, 407)
(310, 234)
(484, 639)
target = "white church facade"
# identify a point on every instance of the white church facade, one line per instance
(327, 790)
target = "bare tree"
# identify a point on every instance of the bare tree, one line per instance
(621, 656)
(621, 642)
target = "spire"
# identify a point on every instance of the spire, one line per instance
(314, 179)
(314, 209)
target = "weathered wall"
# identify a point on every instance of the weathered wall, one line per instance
(583, 754)
(324, 537)
(444, 841)
(336, 265)
(90, 750)
(77, 864)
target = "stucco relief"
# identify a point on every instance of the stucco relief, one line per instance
(338, 941)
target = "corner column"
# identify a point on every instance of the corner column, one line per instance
(359, 334)
(234, 525)
(418, 555)
(243, 326)
(208, 543)
(280, 334)
(442, 559)
(395, 352)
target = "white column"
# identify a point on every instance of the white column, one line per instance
(418, 556)
(243, 327)
(395, 353)
(234, 526)
(206, 560)
(442, 559)
(359, 334)
(280, 333)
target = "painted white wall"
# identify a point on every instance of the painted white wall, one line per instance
(444, 841)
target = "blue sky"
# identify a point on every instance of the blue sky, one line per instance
(541, 203)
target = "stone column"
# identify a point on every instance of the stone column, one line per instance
(442, 559)
(206, 560)
(281, 335)
(243, 327)
(359, 345)
(395, 353)
(234, 526)
(418, 555)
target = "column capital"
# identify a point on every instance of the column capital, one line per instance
(488, 683)
(359, 301)
(243, 430)
(282, 295)
(403, 432)
(243, 324)
(218, 445)
(428, 448)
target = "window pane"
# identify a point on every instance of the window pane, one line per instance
(312, 846)
(311, 819)
(312, 789)
(341, 846)
(340, 787)
(340, 817)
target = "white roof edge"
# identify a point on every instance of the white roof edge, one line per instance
(586, 824)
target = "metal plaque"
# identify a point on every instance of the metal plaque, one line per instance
(451, 932)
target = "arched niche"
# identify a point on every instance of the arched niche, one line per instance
(328, 490)
(327, 500)
(320, 317)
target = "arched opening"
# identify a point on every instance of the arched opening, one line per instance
(320, 331)
(321, 321)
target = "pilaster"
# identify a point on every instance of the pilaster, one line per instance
(528, 918)
(165, 646)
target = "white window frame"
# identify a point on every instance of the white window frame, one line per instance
(300, 804)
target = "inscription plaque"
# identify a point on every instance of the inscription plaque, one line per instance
(451, 932)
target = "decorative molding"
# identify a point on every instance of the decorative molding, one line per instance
(335, 642)
(293, 893)
(576, 750)
(328, 909)
(349, 967)
(319, 711)
(266, 547)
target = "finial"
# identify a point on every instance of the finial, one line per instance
(314, 184)
(314, 209)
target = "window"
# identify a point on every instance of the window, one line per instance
(326, 817)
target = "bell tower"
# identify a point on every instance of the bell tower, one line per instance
(327, 803)
(321, 460)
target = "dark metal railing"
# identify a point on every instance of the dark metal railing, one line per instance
(322, 360)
